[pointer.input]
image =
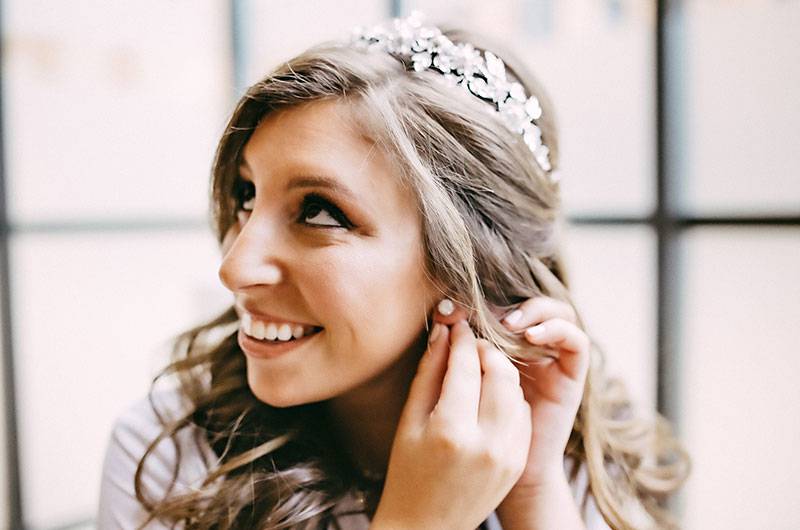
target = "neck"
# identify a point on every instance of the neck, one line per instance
(365, 418)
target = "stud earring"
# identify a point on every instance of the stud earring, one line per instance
(446, 307)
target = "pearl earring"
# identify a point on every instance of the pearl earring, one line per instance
(446, 307)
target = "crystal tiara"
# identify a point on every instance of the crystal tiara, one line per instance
(482, 75)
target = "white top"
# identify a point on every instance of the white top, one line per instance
(138, 426)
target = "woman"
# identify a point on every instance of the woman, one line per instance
(402, 351)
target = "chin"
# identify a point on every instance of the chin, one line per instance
(280, 396)
(275, 399)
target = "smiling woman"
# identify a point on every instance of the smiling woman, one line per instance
(353, 192)
(324, 253)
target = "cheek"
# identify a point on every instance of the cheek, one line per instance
(229, 238)
(374, 295)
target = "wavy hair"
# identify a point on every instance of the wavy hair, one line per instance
(490, 218)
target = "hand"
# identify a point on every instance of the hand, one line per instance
(552, 386)
(462, 439)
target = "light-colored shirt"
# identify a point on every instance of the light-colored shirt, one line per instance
(138, 426)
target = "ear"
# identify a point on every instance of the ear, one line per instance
(459, 313)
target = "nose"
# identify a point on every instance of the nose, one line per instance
(250, 259)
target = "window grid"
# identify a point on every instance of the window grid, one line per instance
(14, 500)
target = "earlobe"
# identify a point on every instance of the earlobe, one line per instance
(446, 307)
(448, 313)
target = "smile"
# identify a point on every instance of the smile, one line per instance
(274, 331)
(267, 349)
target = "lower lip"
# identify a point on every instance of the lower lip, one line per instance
(268, 350)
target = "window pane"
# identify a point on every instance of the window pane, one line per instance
(596, 62)
(112, 108)
(277, 30)
(613, 280)
(92, 315)
(736, 78)
(738, 396)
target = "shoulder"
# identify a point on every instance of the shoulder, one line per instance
(133, 432)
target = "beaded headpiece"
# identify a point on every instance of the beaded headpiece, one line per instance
(482, 75)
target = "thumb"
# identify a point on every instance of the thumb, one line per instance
(427, 384)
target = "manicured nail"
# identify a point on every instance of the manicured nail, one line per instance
(446, 307)
(513, 317)
(536, 331)
(437, 328)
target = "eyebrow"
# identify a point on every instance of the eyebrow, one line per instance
(313, 180)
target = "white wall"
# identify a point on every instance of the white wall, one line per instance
(739, 397)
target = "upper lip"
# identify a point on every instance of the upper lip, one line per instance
(267, 317)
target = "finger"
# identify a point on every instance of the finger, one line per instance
(427, 384)
(461, 388)
(453, 313)
(500, 389)
(538, 309)
(569, 338)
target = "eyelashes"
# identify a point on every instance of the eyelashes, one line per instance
(244, 191)
(313, 205)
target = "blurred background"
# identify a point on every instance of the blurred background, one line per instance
(680, 135)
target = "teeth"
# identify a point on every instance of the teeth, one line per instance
(271, 330)
(284, 332)
(258, 330)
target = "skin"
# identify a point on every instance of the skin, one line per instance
(364, 283)
(542, 498)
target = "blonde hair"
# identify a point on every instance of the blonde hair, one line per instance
(489, 230)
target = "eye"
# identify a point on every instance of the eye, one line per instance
(315, 210)
(320, 212)
(245, 194)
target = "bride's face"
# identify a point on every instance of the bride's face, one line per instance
(328, 243)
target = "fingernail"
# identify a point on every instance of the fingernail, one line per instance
(437, 328)
(513, 317)
(446, 307)
(535, 331)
